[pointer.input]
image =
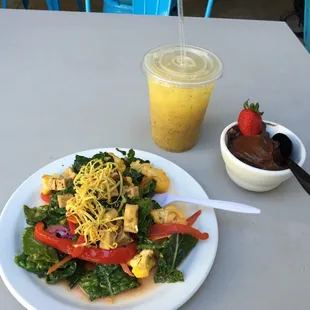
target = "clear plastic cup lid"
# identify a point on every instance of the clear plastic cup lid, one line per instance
(197, 66)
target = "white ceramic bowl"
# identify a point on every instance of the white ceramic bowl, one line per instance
(254, 179)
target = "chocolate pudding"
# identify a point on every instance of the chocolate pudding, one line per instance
(258, 151)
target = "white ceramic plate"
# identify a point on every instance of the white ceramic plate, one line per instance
(34, 293)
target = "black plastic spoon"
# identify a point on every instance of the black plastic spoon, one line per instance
(286, 147)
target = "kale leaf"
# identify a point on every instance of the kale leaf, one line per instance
(105, 157)
(155, 205)
(37, 257)
(106, 280)
(144, 225)
(130, 157)
(145, 208)
(56, 216)
(114, 280)
(35, 215)
(124, 153)
(144, 218)
(77, 275)
(62, 272)
(175, 249)
(134, 175)
(38, 267)
(51, 214)
(147, 244)
(148, 190)
(75, 238)
(166, 274)
(38, 251)
(54, 201)
(81, 161)
(90, 284)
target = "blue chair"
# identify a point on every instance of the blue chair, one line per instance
(87, 6)
(307, 25)
(151, 7)
(126, 2)
(114, 6)
(209, 8)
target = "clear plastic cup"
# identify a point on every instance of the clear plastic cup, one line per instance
(179, 93)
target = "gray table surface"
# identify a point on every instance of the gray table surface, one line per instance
(66, 79)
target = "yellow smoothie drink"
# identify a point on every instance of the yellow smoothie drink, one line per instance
(179, 93)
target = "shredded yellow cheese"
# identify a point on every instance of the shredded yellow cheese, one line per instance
(95, 181)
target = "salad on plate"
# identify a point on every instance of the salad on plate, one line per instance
(100, 229)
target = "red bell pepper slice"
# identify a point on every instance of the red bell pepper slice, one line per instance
(46, 198)
(72, 228)
(72, 219)
(166, 229)
(91, 254)
(191, 220)
(78, 250)
(63, 245)
(115, 256)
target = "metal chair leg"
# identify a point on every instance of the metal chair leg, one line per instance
(25, 4)
(87, 6)
(209, 8)
(56, 5)
(80, 5)
(49, 5)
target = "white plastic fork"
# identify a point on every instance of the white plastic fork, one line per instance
(164, 199)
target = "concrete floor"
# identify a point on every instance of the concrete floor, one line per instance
(247, 9)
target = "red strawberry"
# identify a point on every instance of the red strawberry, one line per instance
(250, 119)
